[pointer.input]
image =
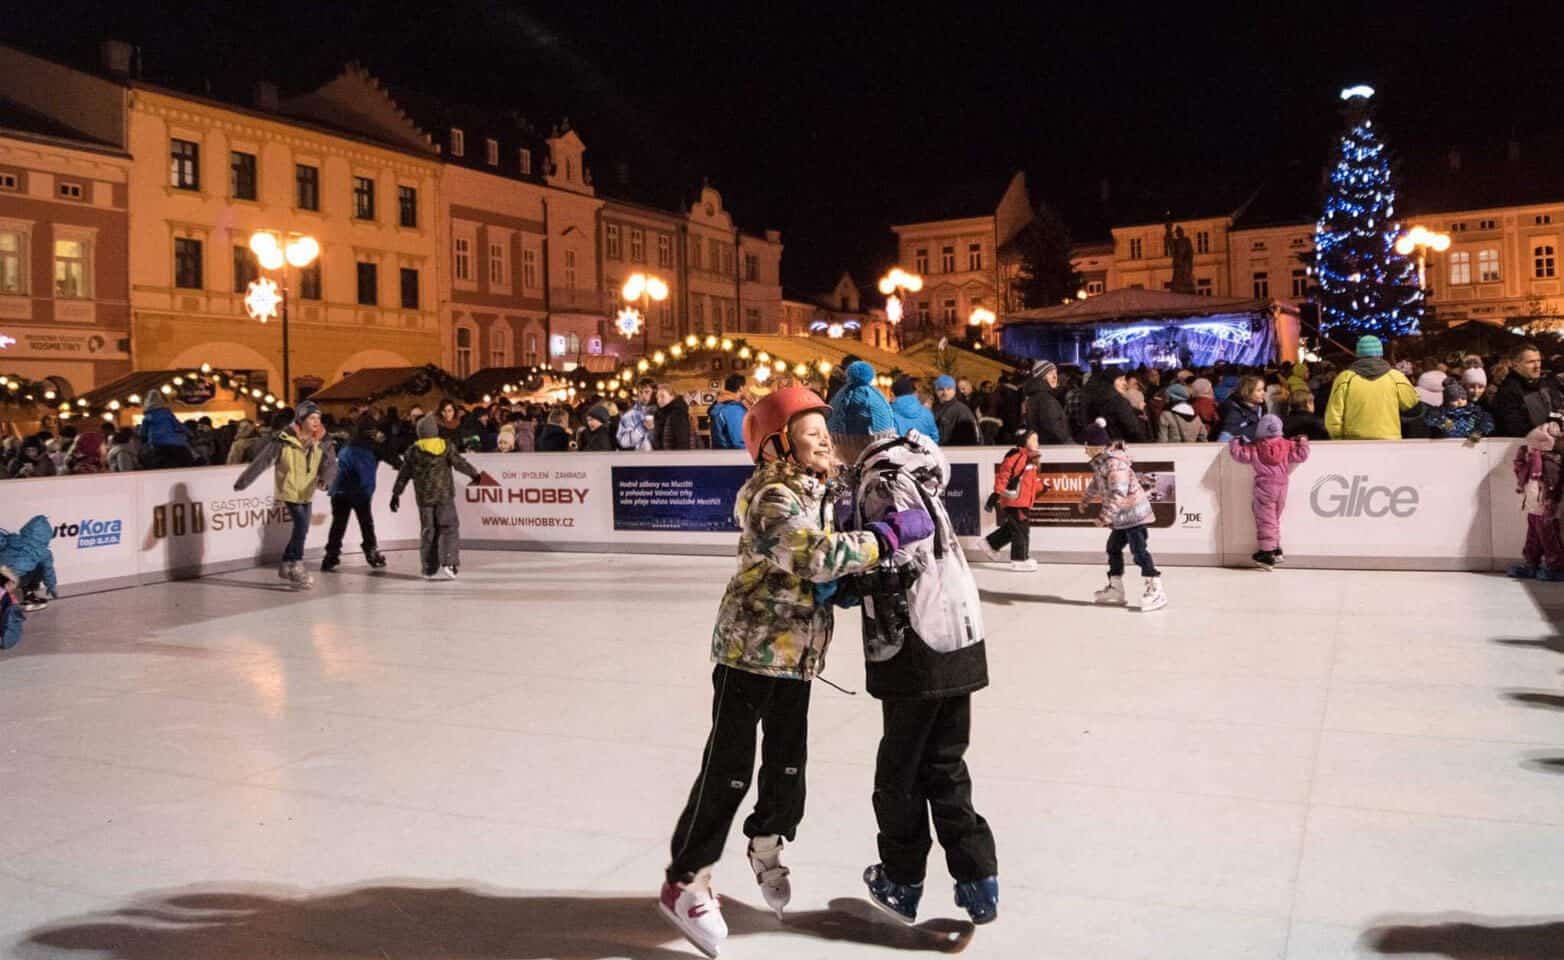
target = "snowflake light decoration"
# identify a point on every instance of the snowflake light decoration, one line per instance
(628, 321)
(261, 299)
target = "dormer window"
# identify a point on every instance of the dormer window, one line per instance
(458, 142)
(570, 169)
(492, 147)
(526, 163)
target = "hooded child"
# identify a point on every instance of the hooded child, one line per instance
(27, 563)
(1273, 458)
(353, 495)
(428, 465)
(1538, 478)
(1126, 510)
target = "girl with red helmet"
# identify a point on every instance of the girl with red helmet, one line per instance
(772, 631)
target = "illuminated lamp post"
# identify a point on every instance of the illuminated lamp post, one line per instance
(645, 287)
(1422, 240)
(982, 320)
(263, 298)
(895, 286)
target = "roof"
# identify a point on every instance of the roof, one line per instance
(373, 383)
(975, 366)
(1138, 304)
(15, 118)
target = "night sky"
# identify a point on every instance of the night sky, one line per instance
(822, 120)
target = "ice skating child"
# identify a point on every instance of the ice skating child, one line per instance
(27, 563)
(925, 656)
(1127, 510)
(352, 494)
(1016, 486)
(1538, 477)
(428, 464)
(1273, 458)
(11, 619)
(304, 460)
(770, 640)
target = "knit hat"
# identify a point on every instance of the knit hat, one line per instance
(1369, 346)
(429, 426)
(1096, 433)
(1177, 393)
(1200, 388)
(1040, 369)
(904, 385)
(1431, 388)
(859, 409)
(1454, 391)
(1269, 426)
(599, 413)
(944, 382)
(1475, 377)
(305, 410)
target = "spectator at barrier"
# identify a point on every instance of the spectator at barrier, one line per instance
(1368, 397)
(595, 436)
(1242, 410)
(1273, 458)
(1524, 398)
(555, 435)
(1179, 423)
(505, 440)
(1301, 420)
(165, 444)
(1105, 401)
(1202, 399)
(908, 409)
(727, 414)
(672, 431)
(1538, 480)
(1074, 399)
(1043, 414)
(957, 424)
(1458, 417)
(86, 453)
(32, 460)
(27, 563)
(304, 460)
(634, 432)
(203, 441)
(1475, 380)
(1431, 388)
(122, 456)
(247, 441)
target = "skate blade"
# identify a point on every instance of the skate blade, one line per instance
(874, 902)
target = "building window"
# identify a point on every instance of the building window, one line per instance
(570, 169)
(1257, 245)
(463, 352)
(974, 256)
(309, 282)
(695, 253)
(1262, 284)
(570, 269)
(1203, 286)
(13, 268)
(499, 345)
(714, 260)
(923, 312)
(409, 288)
(699, 311)
(463, 258)
(491, 149)
(241, 175)
(637, 245)
(947, 259)
(497, 265)
(9, 181)
(665, 316)
(363, 198)
(1300, 282)
(1135, 249)
(1487, 224)
(307, 182)
(1543, 219)
(1488, 265)
(751, 320)
(531, 356)
(948, 311)
(72, 269)
(1094, 287)
(407, 207)
(1543, 263)
(1203, 241)
(246, 270)
(187, 263)
(529, 269)
(458, 142)
(525, 158)
(1458, 227)
(1460, 267)
(727, 261)
(751, 268)
(70, 191)
(184, 167)
(920, 260)
(368, 284)
(1298, 242)
(611, 236)
(664, 250)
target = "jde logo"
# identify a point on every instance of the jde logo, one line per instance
(91, 533)
(1334, 495)
(1188, 518)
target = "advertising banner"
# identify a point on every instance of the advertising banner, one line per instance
(94, 520)
(1065, 483)
(548, 497)
(693, 499)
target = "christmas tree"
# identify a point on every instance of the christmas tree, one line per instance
(1365, 286)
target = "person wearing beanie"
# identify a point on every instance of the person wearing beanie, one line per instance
(1273, 458)
(165, 443)
(1107, 400)
(773, 629)
(923, 643)
(909, 410)
(1179, 423)
(1301, 420)
(353, 495)
(1202, 399)
(428, 466)
(1538, 472)
(1431, 388)
(958, 426)
(727, 414)
(594, 435)
(303, 459)
(1017, 484)
(1126, 510)
(1041, 411)
(1458, 417)
(1368, 398)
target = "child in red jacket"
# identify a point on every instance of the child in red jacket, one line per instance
(1016, 487)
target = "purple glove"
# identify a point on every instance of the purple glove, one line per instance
(902, 527)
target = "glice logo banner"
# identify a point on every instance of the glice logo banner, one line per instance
(1335, 496)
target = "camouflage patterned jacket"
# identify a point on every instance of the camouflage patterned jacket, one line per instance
(770, 622)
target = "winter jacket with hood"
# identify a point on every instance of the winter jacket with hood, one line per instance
(1044, 414)
(357, 464)
(770, 621)
(1179, 424)
(1104, 401)
(1538, 471)
(86, 455)
(299, 468)
(122, 457)
(1017, 481)
(247, 441)
(1366, 401)
(428, 465)
(1521, 404)
(673, 425)
(1204, 404)
(910, 414)
(632, 434)
(159, 427)
(1273, 459)
(1124, 500)
(27, 550)
(727, 422)
(1460, 422)
(958, 426)
(1239, 419)
(925, 640)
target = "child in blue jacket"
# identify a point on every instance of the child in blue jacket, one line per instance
(353, 493)
(27, 564)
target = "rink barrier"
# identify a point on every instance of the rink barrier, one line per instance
(1410, 504)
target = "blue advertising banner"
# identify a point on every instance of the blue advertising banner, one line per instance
(690, 498)
(961, 500)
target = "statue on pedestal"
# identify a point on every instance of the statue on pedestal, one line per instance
(1183, 263)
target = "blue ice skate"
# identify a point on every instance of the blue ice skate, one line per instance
(900, 900)
(1522, 571)
(980, 898)
(1552, 576)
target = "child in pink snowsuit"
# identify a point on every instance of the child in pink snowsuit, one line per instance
(1538, 479)
(1273, 458)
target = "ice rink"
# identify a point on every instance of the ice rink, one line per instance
(1300, 765)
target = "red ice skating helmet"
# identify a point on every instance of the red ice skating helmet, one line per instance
(771, 416)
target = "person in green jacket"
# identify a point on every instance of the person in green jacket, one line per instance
(1368, 397)
(304, 460)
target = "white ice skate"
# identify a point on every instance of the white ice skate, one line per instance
(1153, 598)
(765, 858)
(446, 573)
(1023, 566)
(991, 554)
(285, 570)
(1113, 593)
(695, 911)
(299, 576)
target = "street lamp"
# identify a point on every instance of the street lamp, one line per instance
(982, 319)
(263, 298)
(895, 286)
(1422, 240)
(645, 287)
